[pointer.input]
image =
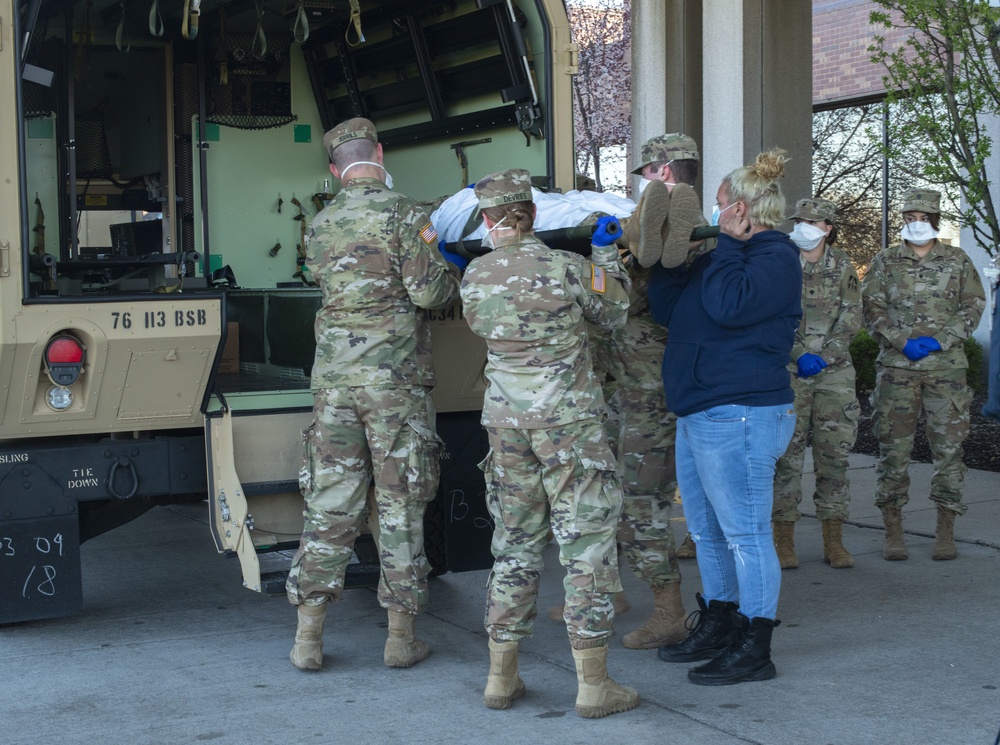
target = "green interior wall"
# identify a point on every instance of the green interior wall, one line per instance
(247, 171)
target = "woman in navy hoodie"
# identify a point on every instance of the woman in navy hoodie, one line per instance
(732, 316)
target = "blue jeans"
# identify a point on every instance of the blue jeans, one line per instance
(725, 470)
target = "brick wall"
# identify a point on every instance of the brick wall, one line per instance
(842, 69)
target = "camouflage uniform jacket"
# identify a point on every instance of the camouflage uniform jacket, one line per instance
(831, 309)
(633, 354)
(374, 254)
(939, 295)
(531, 304)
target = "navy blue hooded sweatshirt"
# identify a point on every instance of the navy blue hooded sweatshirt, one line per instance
(731, 318)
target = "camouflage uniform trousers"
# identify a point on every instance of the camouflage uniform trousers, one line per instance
(358, 435)
(563, 478)
(898, 397)
(642, 433)
(825, 403)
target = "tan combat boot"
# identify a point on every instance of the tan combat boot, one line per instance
(597, 695)
(307, 653)
(687, 549)
(402, 648)
(944, 540)
(503, 685)
(834, 552)
(621, 603)
(784, 542)
(666, 625)
(894, 549)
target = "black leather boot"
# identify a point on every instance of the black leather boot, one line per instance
(747, 658)
(712, 630)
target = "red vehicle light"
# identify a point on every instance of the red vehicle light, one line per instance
(64, 349)
(64, 358)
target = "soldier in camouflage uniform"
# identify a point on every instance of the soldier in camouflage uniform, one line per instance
(642, 438)
(659, 230)
(922, 300)
(374, 254)
(823, 380)
(549, 462)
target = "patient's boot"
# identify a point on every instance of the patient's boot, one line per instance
(684, 216)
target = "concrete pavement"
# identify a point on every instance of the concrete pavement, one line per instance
(171, 649)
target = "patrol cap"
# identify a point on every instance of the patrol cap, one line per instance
(504, 187)
(352, 129)
(814, 209)
(922, 200)
(675, 146)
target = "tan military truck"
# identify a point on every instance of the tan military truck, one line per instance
(158, 165)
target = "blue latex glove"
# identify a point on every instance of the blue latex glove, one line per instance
(810, 364)
(606, 231)
(929, 344)
(458, 260)
(914, 349)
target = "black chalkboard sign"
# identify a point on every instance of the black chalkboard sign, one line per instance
(40, 568)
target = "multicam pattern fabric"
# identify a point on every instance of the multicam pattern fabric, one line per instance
(505, 187)
(896, 403)
(825, 403)
(922, 200)
(641, 431)
(549, 463)
(906, 296)
(561, 478)
(360, 436)
(377, 274)
(531, 304)
(662, 148)
(814, 210)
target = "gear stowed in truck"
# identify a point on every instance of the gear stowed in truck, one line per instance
(156, 346)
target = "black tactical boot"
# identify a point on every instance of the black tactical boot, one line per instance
(747, 658)
(712, 630)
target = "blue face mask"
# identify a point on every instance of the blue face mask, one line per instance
(717, 213)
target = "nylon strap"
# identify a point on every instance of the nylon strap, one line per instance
(300, 31)
(122, 31)
(356, 23)
(155, 19)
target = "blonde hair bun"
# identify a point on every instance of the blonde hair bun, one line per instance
(771, 164)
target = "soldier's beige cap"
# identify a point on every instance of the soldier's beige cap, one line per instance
(814, 209)
(922, 200)
(504, 187)
(352, 129)
(675, 146)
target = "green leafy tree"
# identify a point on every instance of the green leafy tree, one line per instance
(944, 81)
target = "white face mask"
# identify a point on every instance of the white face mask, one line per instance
(488, 241)
(388, 176)
(806, 236)
(918, 233)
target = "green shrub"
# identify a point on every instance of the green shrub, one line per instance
(974, 351)
(864, 351)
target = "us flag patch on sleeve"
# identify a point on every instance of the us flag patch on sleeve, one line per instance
(428, 233)
(598, 281)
